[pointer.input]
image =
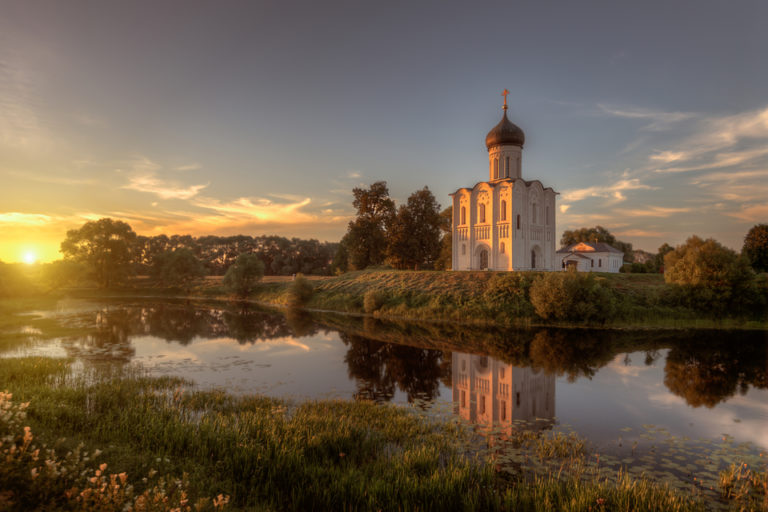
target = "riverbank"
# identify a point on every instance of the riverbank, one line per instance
(503, 299)
(508, 299)
(154, 437)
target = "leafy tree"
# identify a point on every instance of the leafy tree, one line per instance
(664, 249)
(366, 235)
(597, 234)
(414, 233)
(445, 260)
(105, 247)
(177, 268)
(756, 247)
(712, 277)
(341, 257)
(244, 275)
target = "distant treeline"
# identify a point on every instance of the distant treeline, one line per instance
(280, 255)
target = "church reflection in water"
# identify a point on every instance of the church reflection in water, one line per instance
(489, 392)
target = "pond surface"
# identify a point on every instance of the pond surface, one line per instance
(610, 386)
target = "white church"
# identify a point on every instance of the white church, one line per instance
(507, 222)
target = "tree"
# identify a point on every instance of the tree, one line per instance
(664, 249)
(243, 276)
(712, 276)
(105, 246)
(597, 234)
(177, 268)
(756, 247)
(445, 260)
(366, 235)
(414, 233)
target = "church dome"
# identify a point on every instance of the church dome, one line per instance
(505, 133)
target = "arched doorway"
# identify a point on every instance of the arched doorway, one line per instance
(536, 259)
(483, 259)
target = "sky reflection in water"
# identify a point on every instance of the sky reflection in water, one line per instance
(695, 384)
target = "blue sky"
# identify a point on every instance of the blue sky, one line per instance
(650, 119)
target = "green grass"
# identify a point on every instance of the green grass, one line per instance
(269, 454)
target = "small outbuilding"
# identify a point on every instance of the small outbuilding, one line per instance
(590, 257)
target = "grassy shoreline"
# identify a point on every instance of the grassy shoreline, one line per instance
(640, 301)
(269, 454)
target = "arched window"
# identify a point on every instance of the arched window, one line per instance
(518, 221)
(533, 213)
(463, 249)
(502, 248)
(483, 259)
(503, 210)
(495, 168)
(481, 213)
(547, 215)
(592, 263)
(599, 262)
(507, 174)
(463, 215)
(533, 259)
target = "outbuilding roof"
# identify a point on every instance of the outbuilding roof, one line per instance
(589, 247)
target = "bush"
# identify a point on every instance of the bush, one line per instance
(300, 291)
(572, 296)
(244, 275)
(372, 301)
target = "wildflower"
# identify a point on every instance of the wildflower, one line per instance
(123, 477)
(601, 501)
(34, 472)
(103, 466)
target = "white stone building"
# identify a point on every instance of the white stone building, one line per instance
(590, 257)
(505, 223)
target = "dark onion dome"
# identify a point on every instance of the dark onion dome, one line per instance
(505, 133)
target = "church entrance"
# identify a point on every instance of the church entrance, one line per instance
(483, 259)
(536, 259)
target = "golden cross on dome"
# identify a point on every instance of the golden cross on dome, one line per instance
(505, 98)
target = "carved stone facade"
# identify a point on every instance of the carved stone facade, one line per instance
(505, 223)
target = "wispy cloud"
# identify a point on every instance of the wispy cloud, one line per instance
(754, 213)
(658, 120)
(653, 211)
(613, 191)
(143, 177)
(642, 233)
(154, 185)
(718, 142)
(24, 219)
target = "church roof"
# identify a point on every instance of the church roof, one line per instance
(589, 247)
(505, 133)
(497, 183)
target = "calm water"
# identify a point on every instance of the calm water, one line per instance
(695, 383)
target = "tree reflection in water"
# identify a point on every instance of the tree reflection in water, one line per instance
(109, 342)
(711, 369)
(379, 368)
(704, 368)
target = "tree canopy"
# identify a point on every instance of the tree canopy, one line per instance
(177, 268)
(105, 247)
(366, 238)
(413, 237)
(756, 247)
(244, 275)
(597, 234)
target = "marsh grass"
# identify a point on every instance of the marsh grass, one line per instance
(274, 454)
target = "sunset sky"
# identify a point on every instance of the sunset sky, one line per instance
(649, 118)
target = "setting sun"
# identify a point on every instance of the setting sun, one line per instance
(30, 257)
